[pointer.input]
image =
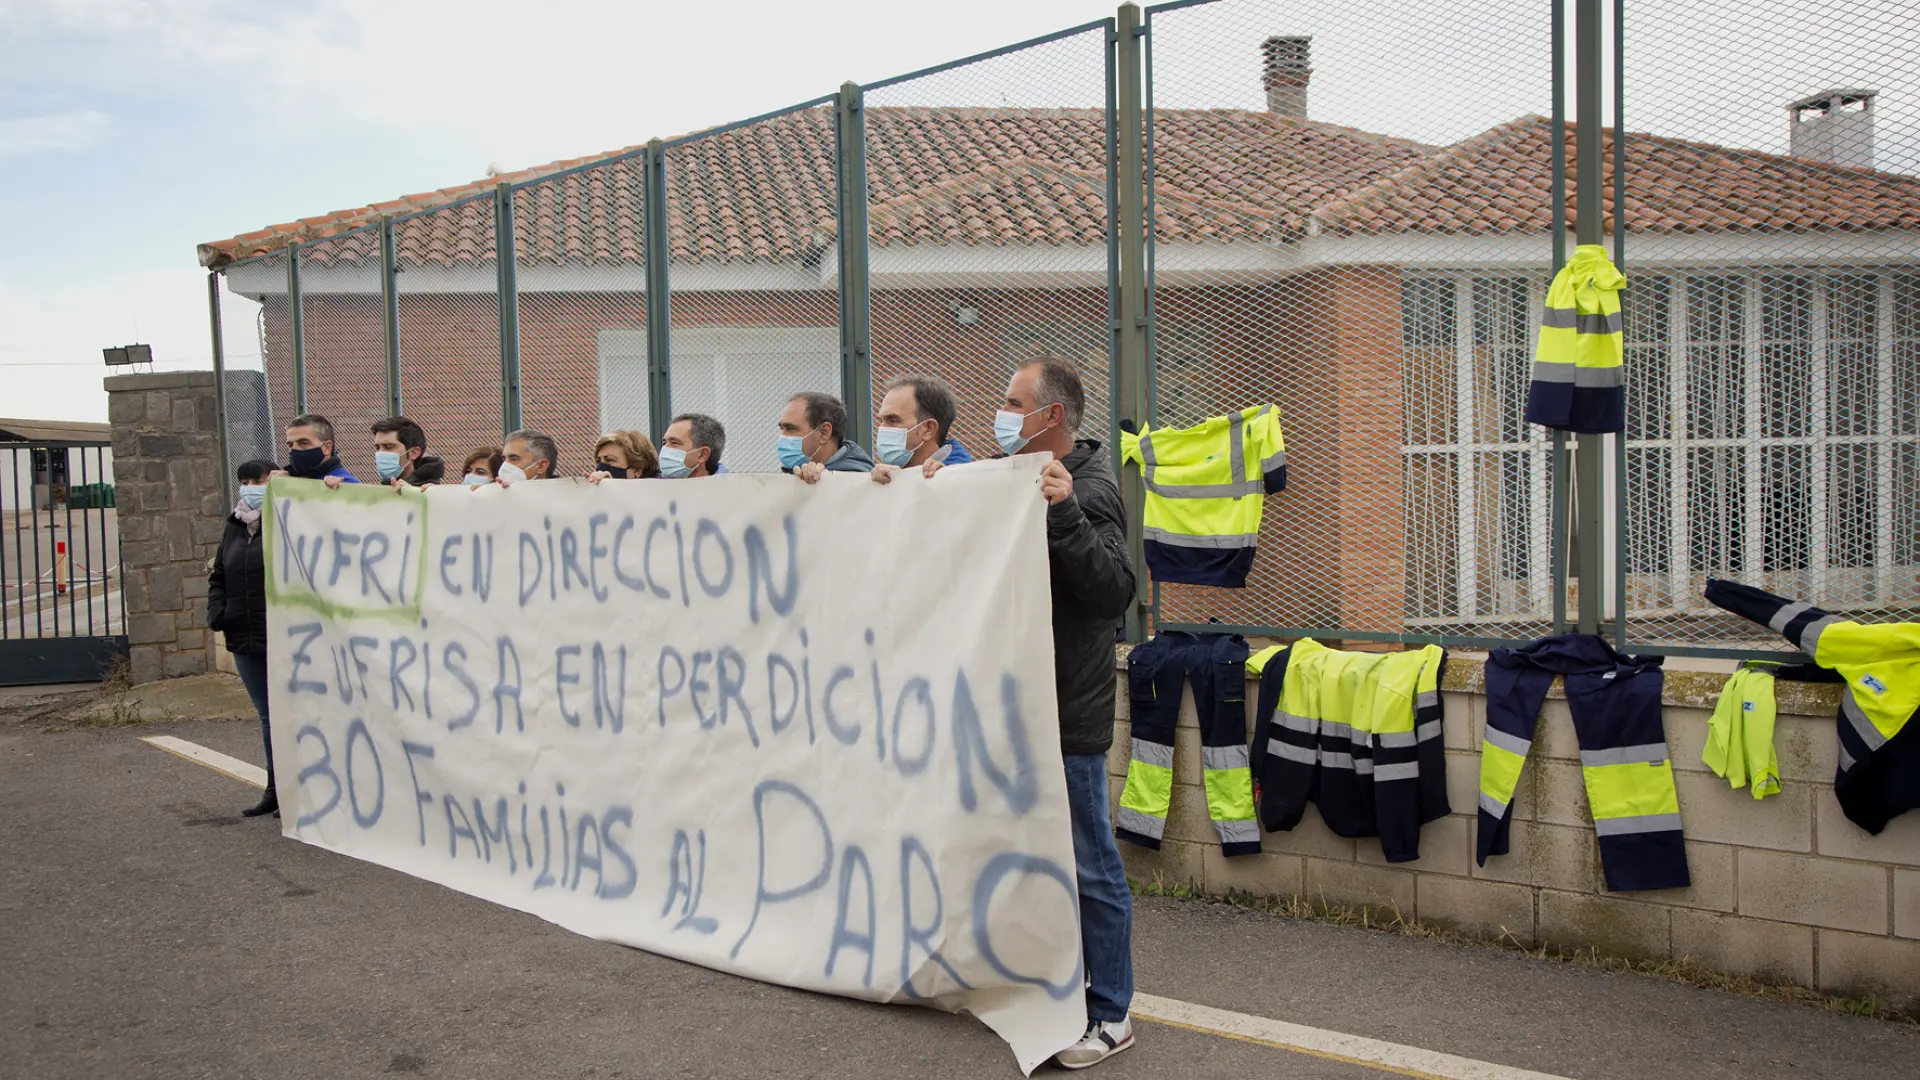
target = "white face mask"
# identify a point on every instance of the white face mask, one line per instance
(474, 479)
(511, 473)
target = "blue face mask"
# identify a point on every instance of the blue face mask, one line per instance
(890, 446)
(791, 455)
(1006, 430)
(386, 463)
(252, 495)
(474, 479)
(673, 463)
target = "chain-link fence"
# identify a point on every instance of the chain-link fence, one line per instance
(1349, 216)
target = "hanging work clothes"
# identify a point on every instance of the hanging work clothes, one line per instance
(1205, 488)
(1740, 735)
(1579, 381)
(1879, 774)
(1615, 701)
(1356, 734)
(1215, 664)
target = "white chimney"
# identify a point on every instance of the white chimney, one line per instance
(1285, 71)
(1834, 127)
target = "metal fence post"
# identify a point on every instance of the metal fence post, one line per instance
(219, 380)
(297, 329)
(390, 294)
(856, 324)
(508, 287)
(659, 296)
(1589, 463)
(1560, 493)
(1620, 261)
(1131, 403)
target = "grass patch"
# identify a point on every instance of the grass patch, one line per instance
(1389, 919)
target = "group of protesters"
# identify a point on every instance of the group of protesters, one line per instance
(1091, 576)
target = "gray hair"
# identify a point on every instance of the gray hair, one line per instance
(705, 431)
(542, 446)
(1059, 384)
(932, 398)
(322, 427)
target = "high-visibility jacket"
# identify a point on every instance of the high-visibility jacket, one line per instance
(1356, 734)
(1579, 382)
(1740, 734)
(1615, 701)
(1206, 486)
(1879, 774)
(1216, 666)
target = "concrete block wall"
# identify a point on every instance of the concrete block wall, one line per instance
(1784, 888)
(172, 506)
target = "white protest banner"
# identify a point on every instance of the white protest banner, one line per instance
(805, 734)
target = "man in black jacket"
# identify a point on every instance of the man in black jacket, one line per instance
(1092, 586)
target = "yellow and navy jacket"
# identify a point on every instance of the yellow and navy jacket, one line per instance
(1356, 734)
(1579, 382)
(1879, 773)
(1206, 486)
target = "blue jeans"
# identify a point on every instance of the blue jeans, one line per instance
(1106, 906)
(253, 676)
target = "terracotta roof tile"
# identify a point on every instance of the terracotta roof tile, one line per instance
(981, 176)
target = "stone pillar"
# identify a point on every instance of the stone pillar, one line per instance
(171, 498)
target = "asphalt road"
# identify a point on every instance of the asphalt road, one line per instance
(146, 930)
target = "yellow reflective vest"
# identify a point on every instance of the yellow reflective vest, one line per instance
(1579, 382)
(1206, 486)
(1740, 735)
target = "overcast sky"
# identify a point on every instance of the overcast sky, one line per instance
(131, 131)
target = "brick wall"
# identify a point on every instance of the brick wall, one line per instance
(1784, 887)
(172, 505)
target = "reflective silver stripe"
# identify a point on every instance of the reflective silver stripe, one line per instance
(1291, 722)
(1600, 377)
(1492, 805)
(1787, 614)
(1333, 759)
(1624, 755)
(1810, 637)
(1273, 461)
(1174, 539)
(1363, 766)
(1236, 454)
(1426, 699)
(1334, 729)
(1426, 731)
(1512, 744)
(1409, 770)
(1549, 371)
(1207, 491)
(1627, 826)
(1846, 761)
(1566, 318)
(1862, 726)
(1145, 825)
(1287, 750)
(1216, 758)
(1238, 832)
(1152, 753)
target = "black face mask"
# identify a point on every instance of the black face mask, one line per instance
(615, 471)
(306, 463)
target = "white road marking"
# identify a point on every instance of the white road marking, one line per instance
(1243, 1027)
(212, 759)
(1371, 1053)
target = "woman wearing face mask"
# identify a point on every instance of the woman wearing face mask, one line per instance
(624, 455)
(237, 604)
(481, 467)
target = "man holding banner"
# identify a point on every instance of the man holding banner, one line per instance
(1092, 585)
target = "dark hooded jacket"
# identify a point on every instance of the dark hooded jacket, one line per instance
(1092, 588)
(237, 589)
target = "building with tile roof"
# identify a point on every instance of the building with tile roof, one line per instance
(1382, 291)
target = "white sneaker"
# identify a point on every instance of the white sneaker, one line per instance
(1103, 1039)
